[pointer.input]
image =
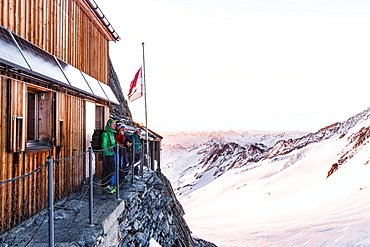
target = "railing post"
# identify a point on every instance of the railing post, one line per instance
(142, 159)
(91, 189)
(159, 157)
(151, 145)
(117, 170)
(133, 163)
(51, 201)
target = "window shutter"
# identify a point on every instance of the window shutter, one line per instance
(17, 93)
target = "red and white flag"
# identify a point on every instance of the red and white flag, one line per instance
(136, 86)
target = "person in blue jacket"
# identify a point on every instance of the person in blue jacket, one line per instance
(135, 138)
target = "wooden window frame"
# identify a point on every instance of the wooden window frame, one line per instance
(45, 124)
(43, 133)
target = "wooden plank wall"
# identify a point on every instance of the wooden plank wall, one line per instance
(69, 174)
(23, 198)
(61, 28)
(14, 195)
(5, 159)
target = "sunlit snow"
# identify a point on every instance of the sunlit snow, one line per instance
(153, 243)
(283, 201)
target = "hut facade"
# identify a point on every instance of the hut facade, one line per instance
(54, 91)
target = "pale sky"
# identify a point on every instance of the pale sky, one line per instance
(244, 64)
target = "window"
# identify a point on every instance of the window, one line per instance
(32, 116)
(39, 118)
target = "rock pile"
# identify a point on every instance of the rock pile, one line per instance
(152, 211)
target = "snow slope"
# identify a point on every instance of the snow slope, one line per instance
(192, 160)
(287, 199)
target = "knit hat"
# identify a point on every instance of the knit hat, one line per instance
(111, 121)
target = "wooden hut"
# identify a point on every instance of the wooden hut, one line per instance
(154, 147)
(54, 91)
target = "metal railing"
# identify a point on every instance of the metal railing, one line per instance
(59, 180)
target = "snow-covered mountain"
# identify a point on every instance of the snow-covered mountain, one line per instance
(276, 190)
(195, 159)
(243, 138)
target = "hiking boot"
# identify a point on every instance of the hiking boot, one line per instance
(106, 189)
(114, 188)
(110, 189)
(122, 181)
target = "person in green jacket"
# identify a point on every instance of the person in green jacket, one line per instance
(109, 156)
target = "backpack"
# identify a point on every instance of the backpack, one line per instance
(128, 140)
(96, 139)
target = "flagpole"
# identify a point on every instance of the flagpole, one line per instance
(146, 111)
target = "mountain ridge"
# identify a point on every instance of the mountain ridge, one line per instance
(241, 137)
(306, 190)
(286, 146)
(220, 151)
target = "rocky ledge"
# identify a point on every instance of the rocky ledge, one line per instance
(148, 210)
